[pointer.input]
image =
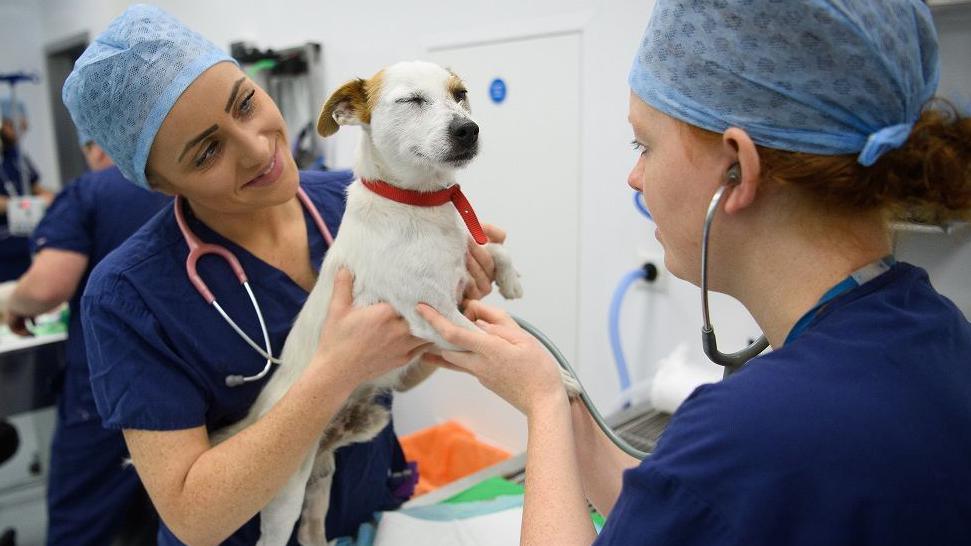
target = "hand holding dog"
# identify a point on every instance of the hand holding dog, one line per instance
(358, 344)
(503, 357)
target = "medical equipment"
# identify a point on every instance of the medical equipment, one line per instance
(198, 249)
(565, 364)
(733, 361)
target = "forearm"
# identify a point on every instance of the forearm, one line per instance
(601, 462)
(555, 510)
(29, 301)
(229, 483)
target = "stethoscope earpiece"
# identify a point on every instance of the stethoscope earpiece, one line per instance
(734, 175)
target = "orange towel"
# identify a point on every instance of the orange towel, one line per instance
(447, 452)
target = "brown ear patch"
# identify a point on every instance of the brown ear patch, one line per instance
(358, 96)
(455, 84)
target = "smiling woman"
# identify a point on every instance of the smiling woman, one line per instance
(190, 123)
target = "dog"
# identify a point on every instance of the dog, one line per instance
(417, 131)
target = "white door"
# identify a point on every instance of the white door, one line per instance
(525, 180)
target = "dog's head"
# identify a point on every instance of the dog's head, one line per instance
(416, 115)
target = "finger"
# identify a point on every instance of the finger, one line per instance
(463, 362)
(438, 361)
(482, 281)
(494, 233)
(476, 310)
(484, 258)
(343, 295)
(466, 339)
(19, 327)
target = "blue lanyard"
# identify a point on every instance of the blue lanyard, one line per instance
(858, 278)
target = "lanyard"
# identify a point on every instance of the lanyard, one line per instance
(858, 278)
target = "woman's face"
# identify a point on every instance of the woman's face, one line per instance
(224, 146)
(677, 173)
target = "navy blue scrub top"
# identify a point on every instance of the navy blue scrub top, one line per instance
(14, 251)
(159, 354)
(92, 216)
(858, 432)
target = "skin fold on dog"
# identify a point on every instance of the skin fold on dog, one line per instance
(417, 131)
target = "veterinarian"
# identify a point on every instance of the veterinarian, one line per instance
(15, 249)
(179, 116)
(812, 119)
(91, 498)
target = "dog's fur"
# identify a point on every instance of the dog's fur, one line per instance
(399, 254)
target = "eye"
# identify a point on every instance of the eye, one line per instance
(417, 100)
(460, 95)
(208, 154)
(638, 147)
(247, 106)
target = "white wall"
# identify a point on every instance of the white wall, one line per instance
(359, 38)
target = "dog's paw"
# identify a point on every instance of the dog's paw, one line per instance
(570, 383)
(508, 282)
(311, 532)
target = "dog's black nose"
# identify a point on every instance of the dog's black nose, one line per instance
(464, 132)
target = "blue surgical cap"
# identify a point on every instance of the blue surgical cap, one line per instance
(83, 138)
(10, 110)
(128, 79)
(819, 76)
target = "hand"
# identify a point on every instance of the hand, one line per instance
(505, 359)
(480, 265)
(358, 344)
(17, 323)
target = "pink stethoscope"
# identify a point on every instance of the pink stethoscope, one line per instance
(198, 249)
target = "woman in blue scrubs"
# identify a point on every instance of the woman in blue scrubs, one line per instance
(178, 115)
(92, 496)
(854, 430)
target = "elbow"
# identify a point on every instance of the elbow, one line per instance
(196, 533)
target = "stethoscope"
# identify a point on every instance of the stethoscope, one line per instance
(731, 361)
(198, 249)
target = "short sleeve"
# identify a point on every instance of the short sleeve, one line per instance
(138, 380)
(67, 224)
(655, 508)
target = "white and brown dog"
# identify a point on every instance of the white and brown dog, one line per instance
(404, 235)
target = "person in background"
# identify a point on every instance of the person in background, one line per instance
(93, 498)
(15, 249)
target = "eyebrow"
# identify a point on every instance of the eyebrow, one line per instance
(197, 140)
(232, 95)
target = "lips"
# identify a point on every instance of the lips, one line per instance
(270, 173)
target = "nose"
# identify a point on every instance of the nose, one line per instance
(635, 179)
(464, 132)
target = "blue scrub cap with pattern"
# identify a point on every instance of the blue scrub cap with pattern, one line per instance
(126, 82)
(818, 76)
(9, 110)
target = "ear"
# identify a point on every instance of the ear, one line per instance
(347, 106)
(740, 149)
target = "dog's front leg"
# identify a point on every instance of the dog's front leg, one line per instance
(507, 278)
(316, 502)
(279, 516)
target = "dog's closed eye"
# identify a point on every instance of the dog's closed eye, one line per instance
(416, 99)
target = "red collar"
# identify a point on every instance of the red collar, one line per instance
(432, 199)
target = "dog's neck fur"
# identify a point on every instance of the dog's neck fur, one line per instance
(424, 178)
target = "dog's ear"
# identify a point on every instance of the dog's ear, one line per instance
(347, 106)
